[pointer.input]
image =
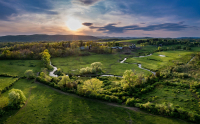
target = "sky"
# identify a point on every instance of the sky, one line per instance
(115, 18)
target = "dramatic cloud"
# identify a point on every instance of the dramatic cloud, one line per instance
(111, 28)
(6, 11)
(87, 24)
(9, 7)
(138, 17)
(88, 2)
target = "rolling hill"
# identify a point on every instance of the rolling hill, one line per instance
(44, 37)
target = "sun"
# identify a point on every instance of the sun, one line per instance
(73, 24)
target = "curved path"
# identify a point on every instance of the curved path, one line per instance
(99, 101)
(74, 95)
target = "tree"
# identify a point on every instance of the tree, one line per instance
(96, 66)
(94, 85)
(63, 81)
(46, 58)
(16, 98)
(29, 74)
(159, 48)
(130, 79)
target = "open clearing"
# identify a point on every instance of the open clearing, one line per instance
(155, 62)
(111, 64)
(18, 67)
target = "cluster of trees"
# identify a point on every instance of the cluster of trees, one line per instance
(96, 67)
(16, 100)
(46, 58)
(56, 49)
(166, 42)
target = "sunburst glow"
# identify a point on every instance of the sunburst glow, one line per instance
(73, 24)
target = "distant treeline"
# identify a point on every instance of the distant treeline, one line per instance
(44, 37)
(112, 39)
(56, 49)
(157, 41)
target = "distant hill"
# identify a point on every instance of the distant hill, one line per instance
(188, 38)
(44, 37)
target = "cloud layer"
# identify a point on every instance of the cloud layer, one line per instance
(112, 28)
(88, 2)
(168, 18)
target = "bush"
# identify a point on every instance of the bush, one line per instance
(132, 101)
(29, 74)
(63, 81)
(169, 110)
(95, 67)
(93, 85)
(45, 77)
(58, 72)
(158, 74)
(16, 98)
(2, 112)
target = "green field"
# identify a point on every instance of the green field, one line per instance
(133, 41)
(45, 105)
(156, 62)
(6, 81)
(111, 64)
(18, 67)
(179, 97)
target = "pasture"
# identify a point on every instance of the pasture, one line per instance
(111, 64)
(45, 105)
(18, 67)
(179, 97)
(6, 82)
(156, 62)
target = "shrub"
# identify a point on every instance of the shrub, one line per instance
(58, 72)
(16, 98)
(130, 79)
(29, 74)
(2, 112)
(93, 85)
(131, 101)
(96, 66)
(169, 110)
(63, 81)
(158, 74)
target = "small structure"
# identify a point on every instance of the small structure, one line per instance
(132, 47)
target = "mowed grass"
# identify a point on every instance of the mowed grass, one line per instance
(45, 105)
(6, 81)
(111, 64)
(156, 62)
(18, 67)
(179, 97)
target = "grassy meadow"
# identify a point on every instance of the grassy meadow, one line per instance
(6, 82)
(111, 64)
(18, 67)
(156, 62)
(179, 97)
(45, 105)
